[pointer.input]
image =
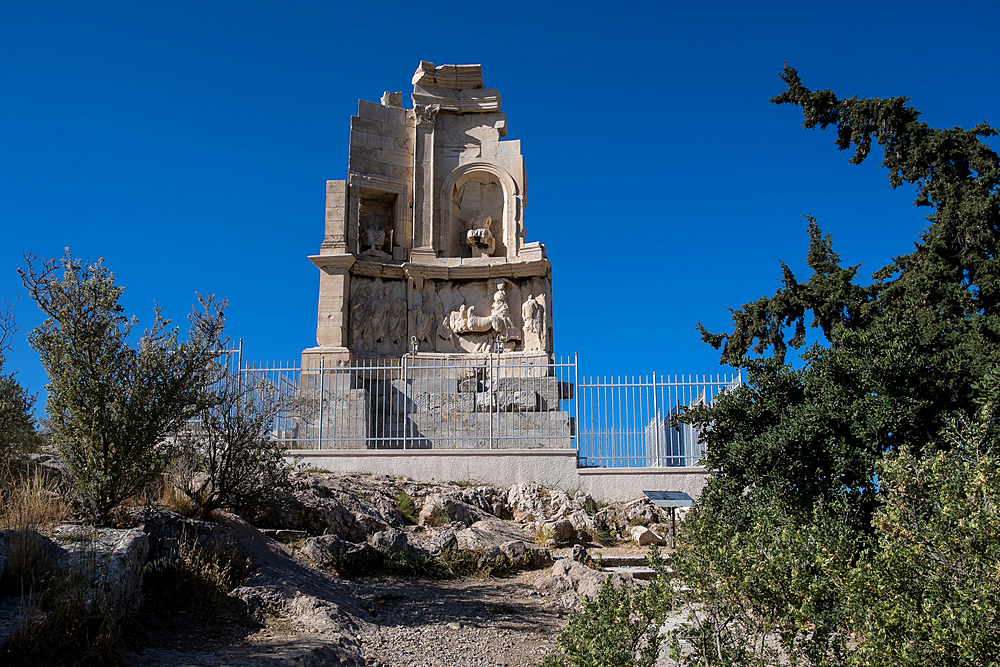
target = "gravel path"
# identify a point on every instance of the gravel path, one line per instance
(462, 623)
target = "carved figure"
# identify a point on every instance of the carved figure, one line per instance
(361, 310)
(479, 237)
(380, 314)
(374, 238)
(503, 324)
(533, 315)
(424, 322)
(397, 322)
(465, 320)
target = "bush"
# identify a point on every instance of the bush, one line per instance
(226, 455)
(112, 405)
(17, 426)
(618, 628)
(930, 594)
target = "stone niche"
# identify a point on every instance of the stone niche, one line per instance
(425, 247)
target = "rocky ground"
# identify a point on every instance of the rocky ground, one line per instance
(326, 597)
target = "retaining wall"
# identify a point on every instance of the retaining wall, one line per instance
(505, 467)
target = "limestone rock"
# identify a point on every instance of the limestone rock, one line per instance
(453, 506)
(391, 541)
(644, 536)
(324, 549)
(526, 555)
(443, 542)
(107, 562)
(322, 504)
(562, 531)
(576, 581)
(621, 517)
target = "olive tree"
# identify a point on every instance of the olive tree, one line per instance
(111, 403)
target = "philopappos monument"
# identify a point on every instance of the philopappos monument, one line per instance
(425, 250)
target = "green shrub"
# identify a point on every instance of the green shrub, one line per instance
(112, 406)
(618, 628)
(437, 518)
(543, 534)
(406, 507)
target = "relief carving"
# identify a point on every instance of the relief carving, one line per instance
(378, 323)
(533, 316)
(426, 114)
(464, 320)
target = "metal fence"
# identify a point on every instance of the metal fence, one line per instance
(483, 402)
(486, 401)
(626, 422)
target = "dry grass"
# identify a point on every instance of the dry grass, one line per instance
(28, 500)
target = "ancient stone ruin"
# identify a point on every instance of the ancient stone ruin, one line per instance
(425, 258)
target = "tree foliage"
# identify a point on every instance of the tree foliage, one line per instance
(784, 527)
(17, 425)
(111, 404)
(929, 595)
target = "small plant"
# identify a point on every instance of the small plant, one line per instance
(602, 537)
(437, 518)
(543, 534)
(406, 507)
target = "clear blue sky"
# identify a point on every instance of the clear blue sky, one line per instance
(188, 144)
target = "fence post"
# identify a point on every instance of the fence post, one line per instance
(656, 425)
(406, 402)
(576, 399)
(492, 397)
(319, 441)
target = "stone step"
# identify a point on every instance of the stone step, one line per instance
(620, 561)
(636, 572)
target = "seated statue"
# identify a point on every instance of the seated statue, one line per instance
(374, 239)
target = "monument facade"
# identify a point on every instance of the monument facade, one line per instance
(425, 246)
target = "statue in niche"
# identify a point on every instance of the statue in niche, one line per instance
(465, 320)
(479, 237)
(479, 201)
(533, 315)
(373, 239)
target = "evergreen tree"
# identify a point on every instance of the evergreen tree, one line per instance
(794, 454)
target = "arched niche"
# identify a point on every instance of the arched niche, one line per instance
(480, 187)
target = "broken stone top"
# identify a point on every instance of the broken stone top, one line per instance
(457, 88)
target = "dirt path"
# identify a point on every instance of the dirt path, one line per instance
(461, 623)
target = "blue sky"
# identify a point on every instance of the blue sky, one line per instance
(188, 144)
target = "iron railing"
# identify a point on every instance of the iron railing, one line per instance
(627, 421)
(487, 401)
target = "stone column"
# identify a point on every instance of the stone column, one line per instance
(335, 237)
(423, 184)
